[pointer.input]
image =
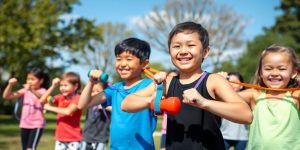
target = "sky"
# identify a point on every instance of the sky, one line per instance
(259, 13)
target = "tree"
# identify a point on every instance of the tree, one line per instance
(285, 32)
(223, 24)
(289, 22)
(33, 33)
(100, 53)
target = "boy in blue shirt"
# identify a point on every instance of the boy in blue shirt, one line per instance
(128, 130)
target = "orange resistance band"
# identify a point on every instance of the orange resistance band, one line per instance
(149, 72)
(264, 88)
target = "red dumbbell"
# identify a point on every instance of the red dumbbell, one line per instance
(170, 105)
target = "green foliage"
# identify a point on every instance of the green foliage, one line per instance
(32, 33)
(289, 22)
(285, 32)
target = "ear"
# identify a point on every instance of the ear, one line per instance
(206, 52)
(77, 86)
(294, 75)
(145, 64)
(41, 81)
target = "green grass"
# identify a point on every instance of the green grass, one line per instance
(10, 133)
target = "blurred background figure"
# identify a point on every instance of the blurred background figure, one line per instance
(234, 134)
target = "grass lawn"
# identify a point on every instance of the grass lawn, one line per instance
(10, 133)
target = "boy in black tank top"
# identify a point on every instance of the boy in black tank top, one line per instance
(204, 96)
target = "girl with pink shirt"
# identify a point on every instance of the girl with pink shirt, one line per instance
(32, 120)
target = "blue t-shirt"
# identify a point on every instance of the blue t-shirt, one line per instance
(129, 131)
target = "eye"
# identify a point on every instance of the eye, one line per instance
(175, 46)
(267, 69)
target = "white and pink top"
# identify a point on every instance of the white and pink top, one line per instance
(32, 111)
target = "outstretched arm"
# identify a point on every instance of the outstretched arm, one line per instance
(228, 103)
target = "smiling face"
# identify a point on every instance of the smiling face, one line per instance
(34, 82)
(67, 88)
(187, 52)
(277, 70)
(129, 66)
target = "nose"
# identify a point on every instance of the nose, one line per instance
(123, 63)
(183, 51)
(275, 72)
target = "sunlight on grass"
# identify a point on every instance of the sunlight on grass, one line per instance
(10, 133)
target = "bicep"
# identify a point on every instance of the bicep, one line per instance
(222, 90)
(147, 91)
(72, 108)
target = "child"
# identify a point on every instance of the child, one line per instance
(68, 133)
(234, 134)
(96, 131)
(32, 120)
(276, 123)
(164, 122)
(194, 127)
(128, 130)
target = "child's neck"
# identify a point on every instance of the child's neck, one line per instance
(70, 95)
(189, 77)
(132, 82)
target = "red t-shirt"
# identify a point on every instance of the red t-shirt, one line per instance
(68, 127)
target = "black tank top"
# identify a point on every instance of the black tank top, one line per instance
(193, 128)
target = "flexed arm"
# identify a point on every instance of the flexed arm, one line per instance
(141, 99)
(55, 84)
(7, 93)
(228, 103)
(86, 99)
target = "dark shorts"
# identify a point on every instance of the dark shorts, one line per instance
(163, 141)
(30, 137)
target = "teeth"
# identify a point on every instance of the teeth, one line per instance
(184, 59)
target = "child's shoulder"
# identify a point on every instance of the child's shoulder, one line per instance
(296, 94)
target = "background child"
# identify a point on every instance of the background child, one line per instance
(164, 122)
(68, 133)
(276, 123)
(234, 134)
(32, 120)
(194, 127)
(96, 131)
(128, 130)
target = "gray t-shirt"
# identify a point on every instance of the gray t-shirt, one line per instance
(96, 125)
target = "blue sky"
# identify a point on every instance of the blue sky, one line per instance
(260, 13)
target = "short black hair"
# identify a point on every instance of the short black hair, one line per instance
(40, 74)
(137, 47)
(190, 27)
